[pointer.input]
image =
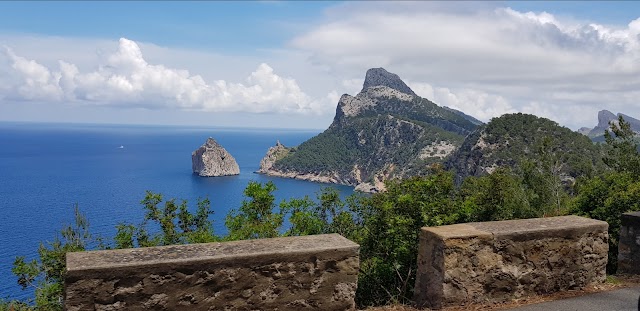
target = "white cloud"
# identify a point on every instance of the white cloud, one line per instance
(477, 57)
(496, 59)
(126, 79)
(352, 86)
(480, 105)
(424, 90)
(38, 81)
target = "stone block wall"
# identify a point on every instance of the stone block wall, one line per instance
(502, 260)
(297, 273)
(629, 244)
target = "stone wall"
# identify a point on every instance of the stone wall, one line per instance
(629, 244)
(298, 273)
(503, 260)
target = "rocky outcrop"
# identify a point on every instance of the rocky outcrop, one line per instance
(211, 160)
(273, 154)
(381, 77)
(605, 119)
(324, 177)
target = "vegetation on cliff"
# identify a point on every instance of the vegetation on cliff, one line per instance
(384, 132)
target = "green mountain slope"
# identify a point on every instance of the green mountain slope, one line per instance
(385, 131)
(511, 139)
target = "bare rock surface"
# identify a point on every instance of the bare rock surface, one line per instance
(381, 77)
(273, 154)
(605, 119)
(211, 159)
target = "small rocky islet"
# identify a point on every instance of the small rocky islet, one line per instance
(212, 160)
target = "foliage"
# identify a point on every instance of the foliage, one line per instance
(622, 155)
(328, 151)
(509, 140)
(391, 225)
(498, 196)
(177, 225)
(545, 179)
(329, 214)
(606, 197)
(256, 217)
(46, 275)
(8, 305)
(259, 217)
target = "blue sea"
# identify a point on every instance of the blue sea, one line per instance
(46, 169)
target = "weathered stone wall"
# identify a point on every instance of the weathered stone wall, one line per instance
(503, 260)
(629, 244)
(298, 273)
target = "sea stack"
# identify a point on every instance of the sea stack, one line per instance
(212, 160)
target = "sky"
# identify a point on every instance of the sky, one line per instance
(285, 64)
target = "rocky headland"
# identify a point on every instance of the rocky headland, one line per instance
(384, 132)
(274, 153)
(211, 160)
(388, 132)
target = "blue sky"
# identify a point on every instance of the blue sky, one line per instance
(286, 63)
(226, 26)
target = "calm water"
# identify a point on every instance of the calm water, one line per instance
(46, 169)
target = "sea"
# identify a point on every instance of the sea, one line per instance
(46, 170)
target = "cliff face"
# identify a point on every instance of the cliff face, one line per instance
(211, 160)
(386, 131)
(274, 153)
(381, 77)
(604, 118)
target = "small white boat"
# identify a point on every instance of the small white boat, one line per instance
(121, 147)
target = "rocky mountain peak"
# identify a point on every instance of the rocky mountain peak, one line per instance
(381, 77)
(604, 116)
